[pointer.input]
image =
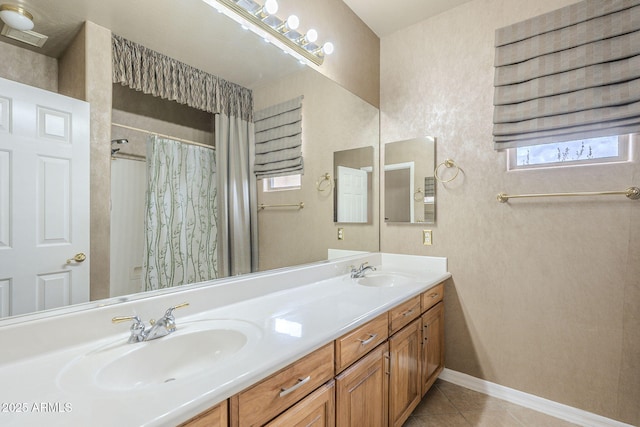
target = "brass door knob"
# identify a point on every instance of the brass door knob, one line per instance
(79, 257)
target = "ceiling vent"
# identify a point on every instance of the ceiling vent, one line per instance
(28, 37)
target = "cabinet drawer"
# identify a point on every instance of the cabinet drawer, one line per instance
(263, 401)
(432, 297)
(403, 314)
(357, 343)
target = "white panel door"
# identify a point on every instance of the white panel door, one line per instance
(44, 199)
(352, 195)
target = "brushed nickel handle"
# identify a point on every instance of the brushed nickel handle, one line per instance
(368, 340)
(434, 295)
(79, 257)
(408, 312)
(300, 383)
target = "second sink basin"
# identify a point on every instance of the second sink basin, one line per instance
(384, 279)
(195, 348)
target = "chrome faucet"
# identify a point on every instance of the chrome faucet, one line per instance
(163, 326)
(359, 272)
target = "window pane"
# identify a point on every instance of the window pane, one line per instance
(288, 182)
(285, 181)
(571, 151)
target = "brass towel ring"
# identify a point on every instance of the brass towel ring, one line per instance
(449, 164)
(417, 194)
(329, 183)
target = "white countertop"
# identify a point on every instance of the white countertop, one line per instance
(292, 312)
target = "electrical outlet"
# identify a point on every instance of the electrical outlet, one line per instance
(340, 233)
(427, 238)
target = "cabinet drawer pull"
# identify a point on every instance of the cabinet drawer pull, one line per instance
(434, 295)
(368, 340)
(300, 383)
(407, 313)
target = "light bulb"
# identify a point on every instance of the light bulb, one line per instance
(271, 7)
(293, 22)
(327, 48)
(312, 36)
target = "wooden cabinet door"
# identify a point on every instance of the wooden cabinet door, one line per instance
(432, 345)
(214, 417)
(362, 391)
(315, 410)
(404, 378)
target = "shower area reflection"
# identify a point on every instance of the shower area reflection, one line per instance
(200, 221)
(163, 217)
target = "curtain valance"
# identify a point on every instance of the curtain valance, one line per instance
(156, 74)
(279, 139)
(569, 74)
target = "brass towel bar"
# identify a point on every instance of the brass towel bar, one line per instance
(632, 193)
(291, 205)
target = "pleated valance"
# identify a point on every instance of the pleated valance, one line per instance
(279, 140)
(570, 74)
(156, 74)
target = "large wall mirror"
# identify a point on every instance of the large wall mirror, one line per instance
(409, 183)
(353, 180)
(216, 44)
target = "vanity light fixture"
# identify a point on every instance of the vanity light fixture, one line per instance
(16, 17)
(282, 33)
(292, 23)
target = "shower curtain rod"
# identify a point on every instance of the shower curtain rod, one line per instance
(186, 141)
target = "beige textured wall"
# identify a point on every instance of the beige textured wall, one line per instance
(355, 64)
(546, 295)
(85, 69)
(28, 67)
(333, 119)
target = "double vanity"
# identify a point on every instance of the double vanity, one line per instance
(277, 348)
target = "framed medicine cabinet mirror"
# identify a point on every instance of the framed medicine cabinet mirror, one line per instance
(409, 184)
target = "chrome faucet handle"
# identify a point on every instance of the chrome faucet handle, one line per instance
(137, 327)
(169, 312)
(169, 320)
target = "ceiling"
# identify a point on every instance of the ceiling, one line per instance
(385, 16)
(197, 34)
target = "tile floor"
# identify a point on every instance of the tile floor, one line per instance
(449, 405)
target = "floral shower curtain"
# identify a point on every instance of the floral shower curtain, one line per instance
(181, 212)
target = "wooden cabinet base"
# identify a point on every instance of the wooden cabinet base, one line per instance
(432, 345)
(404, 379)
(362, 391)
(214, 417)
(315, 410)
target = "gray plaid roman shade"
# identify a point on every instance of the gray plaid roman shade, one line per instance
(279, 140)
(569, 74)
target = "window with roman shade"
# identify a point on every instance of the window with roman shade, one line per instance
(570, 74)
(279, 140)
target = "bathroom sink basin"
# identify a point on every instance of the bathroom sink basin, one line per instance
(384, 279)
(194, 349)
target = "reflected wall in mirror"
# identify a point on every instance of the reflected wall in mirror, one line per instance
(409, 184)
(353, 183)
(78, 65)
(333, 119)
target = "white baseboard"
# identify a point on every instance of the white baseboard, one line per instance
(549, 407)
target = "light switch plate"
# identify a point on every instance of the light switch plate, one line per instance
(340, 233)
(427, 237)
